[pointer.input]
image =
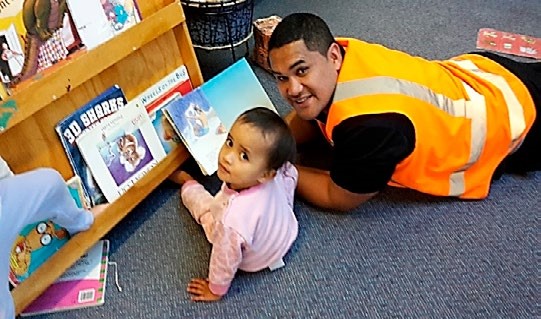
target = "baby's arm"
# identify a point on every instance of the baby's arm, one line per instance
(196, 199)
(290, 177)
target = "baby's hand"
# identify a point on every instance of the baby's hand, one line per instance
(180, 177)
(200, 291)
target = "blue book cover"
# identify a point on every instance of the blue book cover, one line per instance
(81, 121)
(203, 116)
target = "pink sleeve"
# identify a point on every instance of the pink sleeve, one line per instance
(196, 199)
(225, 258)
(290, 177)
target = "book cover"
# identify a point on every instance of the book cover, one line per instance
(99, 21)
(176, 83)
(121, 149)
(32, 37)
(121, 14)
(80, 121)
(75, 187)
(204, 116)
(82, 285)
(37, 242)
(509, 43)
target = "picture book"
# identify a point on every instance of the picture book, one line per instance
(98, 21)
(509, 43)
(37, 242)
(203, 117)
(175, 84)
(33, 43)
(81, 286)
(121, 149)
(80, 121)
(75, 186)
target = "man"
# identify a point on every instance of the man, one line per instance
(445, 128)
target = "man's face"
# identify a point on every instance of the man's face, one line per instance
(306, 79)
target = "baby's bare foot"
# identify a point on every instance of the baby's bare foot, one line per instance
(180, 177)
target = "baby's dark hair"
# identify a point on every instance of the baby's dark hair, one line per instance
(302, 26)
(271, 124)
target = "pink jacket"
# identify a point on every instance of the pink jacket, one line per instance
(250, 230)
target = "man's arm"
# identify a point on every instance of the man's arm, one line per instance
(303, 131)
(317, 187)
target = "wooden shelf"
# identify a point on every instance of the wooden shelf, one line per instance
(74, 248)
(134, 59)
(53, 83)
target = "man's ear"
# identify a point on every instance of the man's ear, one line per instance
(268, 175)
(334, 54)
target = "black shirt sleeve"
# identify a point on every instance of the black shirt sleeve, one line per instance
(367, 149)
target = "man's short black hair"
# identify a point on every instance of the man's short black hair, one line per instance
(302, 26)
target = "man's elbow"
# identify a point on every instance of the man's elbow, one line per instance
(349, 202)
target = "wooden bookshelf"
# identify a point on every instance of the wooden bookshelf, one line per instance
(134, 59)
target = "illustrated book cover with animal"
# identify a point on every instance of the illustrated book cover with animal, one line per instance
(175, 84)
(80, 121)
(34, 35)
(121, 149)
(509, 43)
(39, 241)
(98, 21)
(81, 286)
(203, 117)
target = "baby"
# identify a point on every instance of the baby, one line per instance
(250, 221)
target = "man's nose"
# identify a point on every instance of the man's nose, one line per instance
(294, 86)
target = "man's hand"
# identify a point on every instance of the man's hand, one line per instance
(200, 291)
(180, 177)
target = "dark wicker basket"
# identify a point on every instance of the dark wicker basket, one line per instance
(218, 24)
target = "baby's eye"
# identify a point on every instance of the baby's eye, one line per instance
(229, 142)
(244, 156)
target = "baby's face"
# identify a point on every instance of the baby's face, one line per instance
(243, 159)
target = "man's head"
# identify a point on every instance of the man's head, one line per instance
(305, 60)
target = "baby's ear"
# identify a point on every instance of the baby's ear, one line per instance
(268, 175)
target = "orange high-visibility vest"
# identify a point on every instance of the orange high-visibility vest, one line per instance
(469, 113)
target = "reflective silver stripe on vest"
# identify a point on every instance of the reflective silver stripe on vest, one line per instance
(474, 109)
(517, 122)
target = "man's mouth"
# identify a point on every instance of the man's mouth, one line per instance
(300, 100)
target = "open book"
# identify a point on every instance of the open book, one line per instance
(203, 117)
(175, 84)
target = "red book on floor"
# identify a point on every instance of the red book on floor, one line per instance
(509, 43)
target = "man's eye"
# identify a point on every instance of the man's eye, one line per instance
(302, 71)
(244, 156)
(281, 78)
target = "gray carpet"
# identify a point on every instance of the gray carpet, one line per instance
(402, 255)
